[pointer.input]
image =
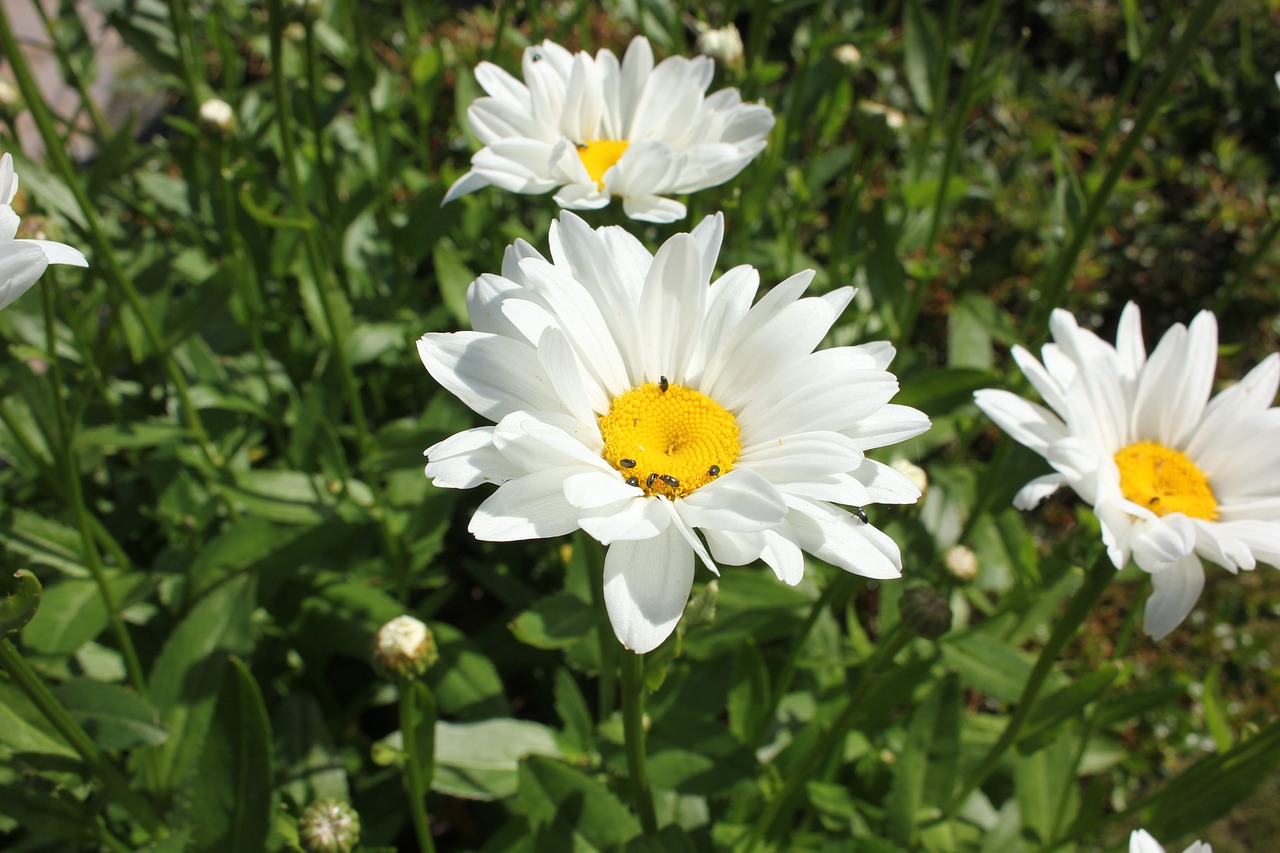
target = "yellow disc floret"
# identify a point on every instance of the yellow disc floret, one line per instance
(669, 439)
(599, 154)
(1165, 481)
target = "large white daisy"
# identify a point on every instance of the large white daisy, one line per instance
(1172, 475)
(639, 401)
(22, 262)
(1142, 842)
(597, 128)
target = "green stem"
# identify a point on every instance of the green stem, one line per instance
(414, 784)
(885, 652)
(604, 631)
(105, 256)
(1065, 262)
(75, 496)
(1096, 580)
(115, 785)
(634, 729)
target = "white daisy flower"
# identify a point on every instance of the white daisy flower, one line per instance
(597, 128)
(22, 262)
(637, 400)
(1142, 842)
(1172, 475)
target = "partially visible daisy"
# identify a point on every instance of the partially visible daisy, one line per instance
(638, 400)
(597, 128)
(1142, 842)
(1172, 475)
(22, 262)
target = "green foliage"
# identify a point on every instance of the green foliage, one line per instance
(211, 442)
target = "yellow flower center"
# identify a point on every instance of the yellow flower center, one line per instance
(1165, 481)
(668, 439)
(599, 154)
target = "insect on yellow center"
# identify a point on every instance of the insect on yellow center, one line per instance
(1165, 481)
(669, 439)
(599, 154)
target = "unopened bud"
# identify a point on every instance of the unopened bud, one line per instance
(10, 97)
(216, 116)
(403, 649)
(329, 826)
(724, 45)
(893, 118)
(925, 611)
(961, 563)
(912, 472)
(848, 56)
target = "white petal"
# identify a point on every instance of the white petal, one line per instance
(21, 265)
(59, 253)
(8, 179)
(468, 183)
(847, 543)
(1218, 543)
(1175, 591)
(652, 208)
(1026, 423)
(529, 507)
(646, 587)
(892, 424)
(536, 440)
(1030, 495)
(741, 500)
(467, 459)
(1050, 391)
(1157, 544)
(733, 548)
(594, 489)
(562, 367)
(502, 85)
(1129, 345)
(1142, 842)
(802, 456)
(671, 307)
(885, 485)
(494, 376)
(782, 554)
(633, 518)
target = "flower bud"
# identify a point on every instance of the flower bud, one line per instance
(10, 97)
(912, 472)
(848, 56)
(894, 119)
(925, 611)
(216, 116)
(329, 826)
(961, 563)
(403, 649)
(723, 45)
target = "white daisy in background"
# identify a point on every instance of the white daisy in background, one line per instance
(1142, 842)
(22, 262)
(639, 401)
(1172, 475)
(597, 128)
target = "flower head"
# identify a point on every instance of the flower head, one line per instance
(1172, 475)
(329, 826)
(638, 400)
(22, 262)
(1142, 842)
(597, 128)
(404, 648)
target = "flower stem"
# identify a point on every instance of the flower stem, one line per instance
(1095, 581)
(633, 729)
(117, 788)
(414, 783)
(75, 496)
(892, 643)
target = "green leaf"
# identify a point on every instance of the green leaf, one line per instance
(44, 541)
(930, 754)
(132, 436)
(556, 622)
(295, 497)
(570, 810)
(1057, 709)
(464, 680)
(306, 760)
(73, 613)
(574, 713)
(232, 793)
(479, 761)
(970, 322)
(114, 717)
(696, 756)
(1043, 779)
(453, 277)
(19, 602)
(188, 674)
(987, 664)
(922, 53)
(24, 729)
(1215, 717)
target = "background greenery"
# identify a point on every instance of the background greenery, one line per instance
(212, 439)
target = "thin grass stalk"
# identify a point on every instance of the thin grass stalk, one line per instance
(315, 259)
(101, 129)
(634, 734)
(104, 252)
(1065, 262)
(893, 642)
(609, 650)
(414, 783)
(75, 496)
(117, 789)
(1096, 579)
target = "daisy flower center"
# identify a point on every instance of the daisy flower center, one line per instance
(669, 439)
(1165, 481)
(599, 154)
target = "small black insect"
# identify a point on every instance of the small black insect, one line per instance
(663, 384)
(633, 481)
(627, 463)
(648, 484)
(536, 57)
(670, 481)
(581, 146)
(861, 514)
(713, 471)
